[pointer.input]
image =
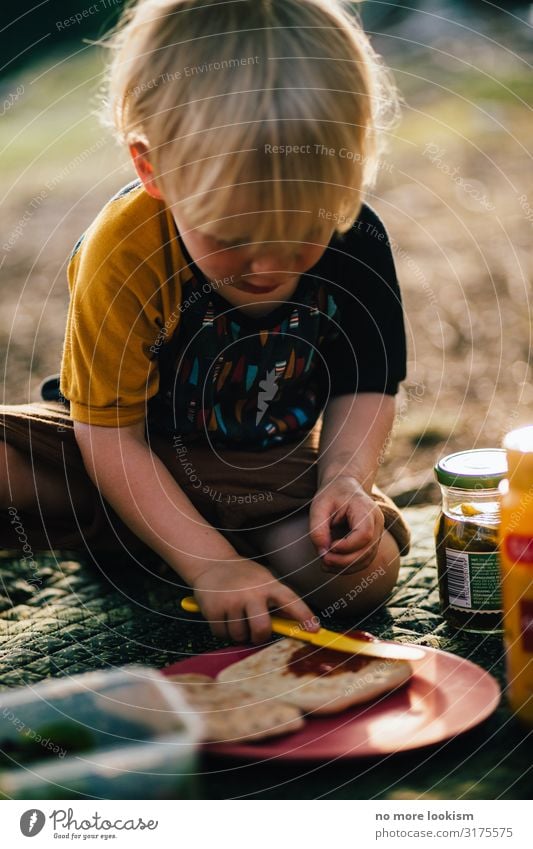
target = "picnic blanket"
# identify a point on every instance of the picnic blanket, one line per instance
(75, 613)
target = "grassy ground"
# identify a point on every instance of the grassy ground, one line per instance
(454, 190)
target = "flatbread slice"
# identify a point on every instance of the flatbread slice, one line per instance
(313, 679)
(233, 713)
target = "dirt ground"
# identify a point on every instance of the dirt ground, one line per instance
(455, 190)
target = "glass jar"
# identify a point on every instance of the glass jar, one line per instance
(516, 556)
(467, 539)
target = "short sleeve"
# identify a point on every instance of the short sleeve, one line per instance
(366, 350)
(109, 365)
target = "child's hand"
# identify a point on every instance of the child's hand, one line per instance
(235, 599)
(344, 500)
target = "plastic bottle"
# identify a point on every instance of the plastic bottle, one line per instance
(516, 561)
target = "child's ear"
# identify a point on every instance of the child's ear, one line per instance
(141, 162)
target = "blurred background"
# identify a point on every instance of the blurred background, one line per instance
(455, 191)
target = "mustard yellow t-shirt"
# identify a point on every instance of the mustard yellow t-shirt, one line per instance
(125, 276)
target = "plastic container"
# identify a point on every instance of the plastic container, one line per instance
(118, 734)
(516, 557)
(466, 536)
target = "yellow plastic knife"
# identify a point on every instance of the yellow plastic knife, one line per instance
(332, 640)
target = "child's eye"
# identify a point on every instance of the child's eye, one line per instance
(233, 244)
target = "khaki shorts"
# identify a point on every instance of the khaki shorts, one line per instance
(234, 490)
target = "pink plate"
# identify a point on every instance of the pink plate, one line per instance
(446, 696)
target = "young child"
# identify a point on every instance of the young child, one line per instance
(235, 335)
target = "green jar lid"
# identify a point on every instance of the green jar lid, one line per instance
(481, 468)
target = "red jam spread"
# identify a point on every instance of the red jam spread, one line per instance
(361, 635)
(310, 660)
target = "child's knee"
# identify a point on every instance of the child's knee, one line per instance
(359, 592)
(373, 586)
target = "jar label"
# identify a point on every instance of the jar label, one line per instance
(519, 548)
(474, 580)
(526, 624)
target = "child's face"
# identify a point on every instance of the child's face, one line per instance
(261, 270)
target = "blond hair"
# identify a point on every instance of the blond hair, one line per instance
(278, 106)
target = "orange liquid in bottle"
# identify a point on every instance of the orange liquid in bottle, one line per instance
(516, 563)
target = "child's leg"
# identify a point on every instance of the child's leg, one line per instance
(31, 485)
(263, 497)
(292, 556)
(45, 489)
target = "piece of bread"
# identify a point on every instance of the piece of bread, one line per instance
(190, 678)
(273, 673)
(232, 713)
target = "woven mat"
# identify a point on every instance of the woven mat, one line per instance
(77, 614)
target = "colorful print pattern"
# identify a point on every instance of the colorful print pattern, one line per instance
(242, 381)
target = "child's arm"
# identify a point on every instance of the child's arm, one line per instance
(354, 434)
(234, 593)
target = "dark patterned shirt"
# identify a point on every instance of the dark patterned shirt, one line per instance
(252, 382)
